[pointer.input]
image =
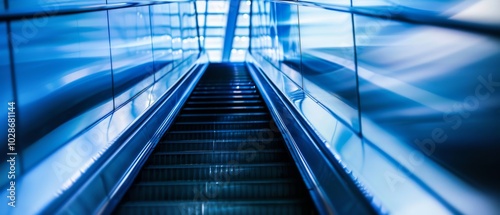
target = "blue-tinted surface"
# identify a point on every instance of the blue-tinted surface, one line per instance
(131, 51)
(273, 52)
(189, 30)
(63, 77)
(277, 42)
(162, 39)
(65, 84)
(6, 89)
(241, 38)
(328, 61)
(417, 84)
(416, 80)
(62, 162)
(60, 169)
(265, 34)
(175, 25)
(216, 21)
(333, 2)
(476, 11)
(257, 28)
(48, 5)
(289, 41)
(435, 90)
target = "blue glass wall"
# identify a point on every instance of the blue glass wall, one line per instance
(5, 88)
(212, 18)
(80, 79)
(69, 54)
(410, 110)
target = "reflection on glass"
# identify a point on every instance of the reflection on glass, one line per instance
(162, 39)
(7, 92)
(427, 96)
(328, 61)
(132, 58)
(475, 11)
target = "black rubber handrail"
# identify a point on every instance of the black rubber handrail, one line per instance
(57, 10)
(409, 15)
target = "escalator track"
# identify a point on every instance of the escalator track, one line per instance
(222, 155)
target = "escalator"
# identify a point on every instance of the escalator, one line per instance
(222, 155)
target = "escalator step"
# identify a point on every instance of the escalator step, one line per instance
(223, 92)
(235, 82)
(224, 190)
(242, 87)
(232, 83)
(231, 171)
(223, 110)
(221, 145)
(235, 125)
(227, 97)
(265, 134)
(217, 157)
(204, 205)
(219, 103)
(223, 117)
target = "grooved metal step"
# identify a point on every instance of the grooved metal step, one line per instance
(265, 134)
(223, 87)
(223, 102)
(233, 171)
(224, 190)
(207, 206)
(224, 92)
(236, 82)
(234, 125)
(211, 84)
(229, 117)
(217, 157)
(224, 110)
(224, 145)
